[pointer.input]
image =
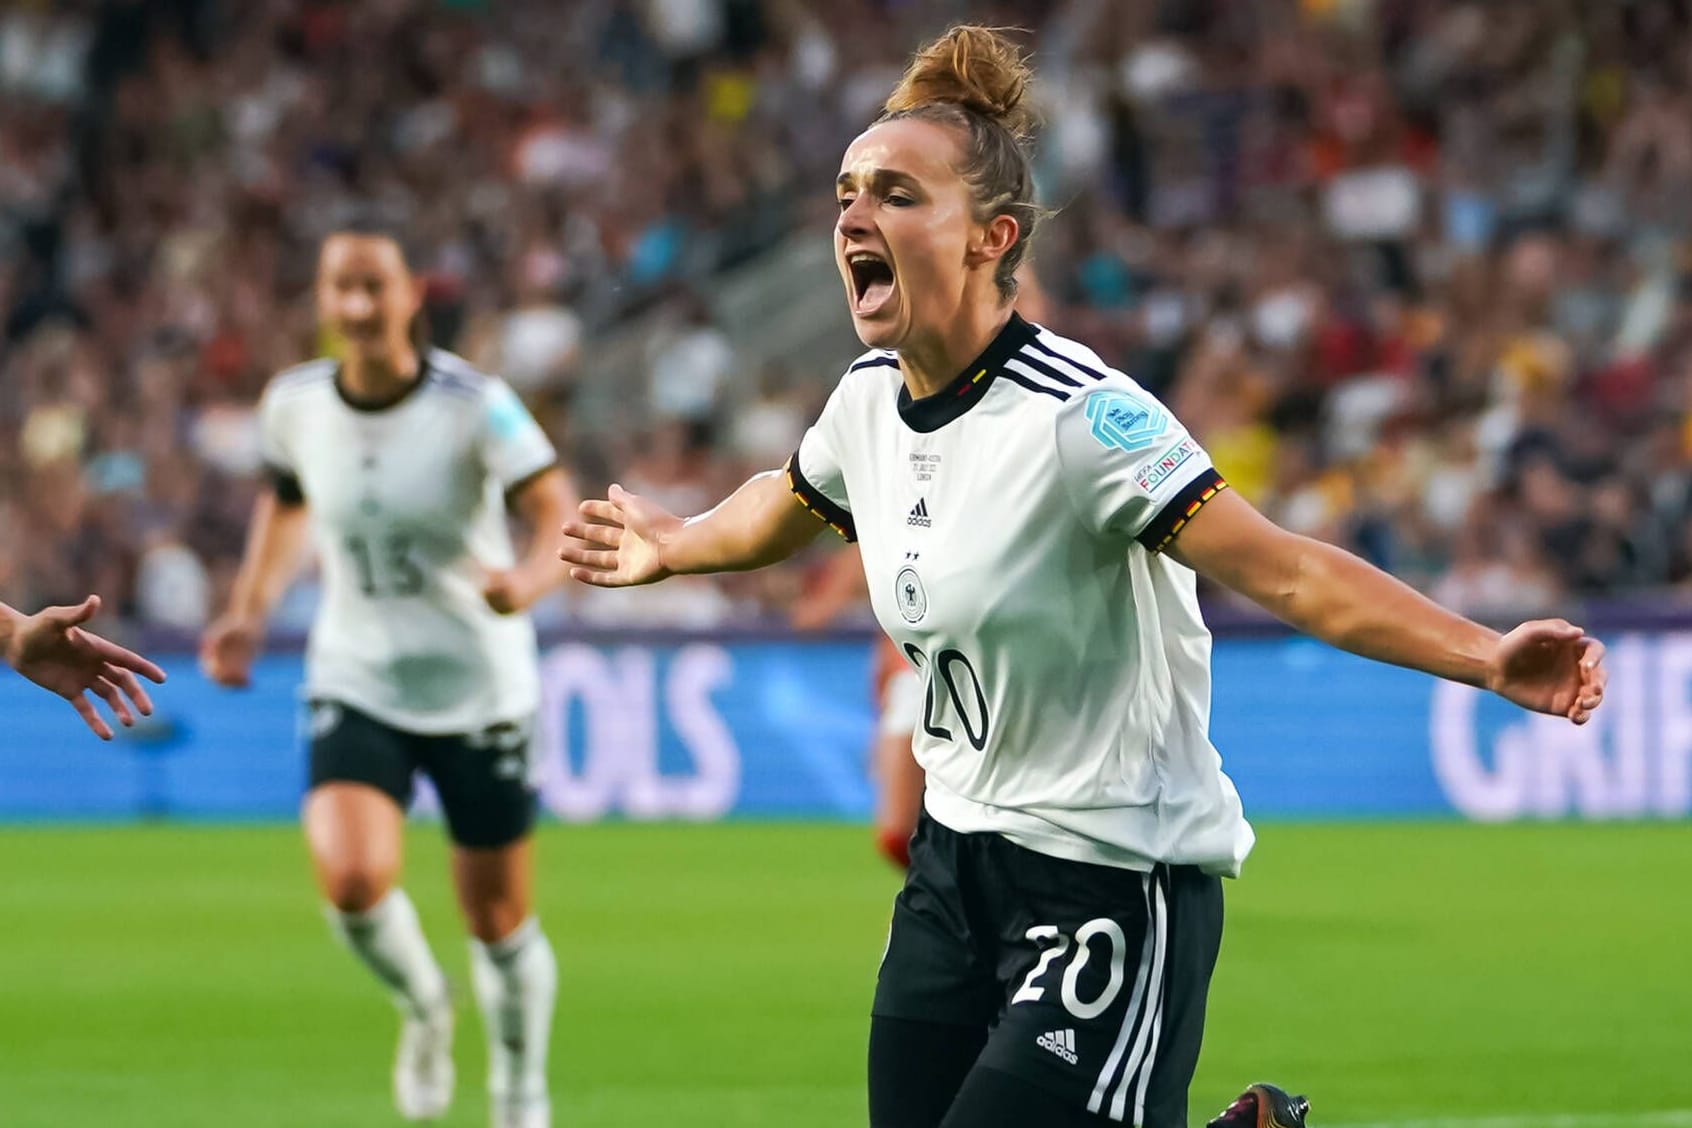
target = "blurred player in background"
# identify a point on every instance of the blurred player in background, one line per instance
(401, 460)
(1051, 951)
(51, 649)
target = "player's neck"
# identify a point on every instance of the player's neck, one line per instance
(377, 379)
(932, 360)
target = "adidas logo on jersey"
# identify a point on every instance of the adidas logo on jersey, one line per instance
(919, 514)
(1061, 1043)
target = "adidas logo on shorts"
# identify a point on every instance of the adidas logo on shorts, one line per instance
(1061, 1043)
(919, 514)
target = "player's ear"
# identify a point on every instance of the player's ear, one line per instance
(994, 238)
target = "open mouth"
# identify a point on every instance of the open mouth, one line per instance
(872, 281)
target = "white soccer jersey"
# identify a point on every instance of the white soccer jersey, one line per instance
(407, 505)
(1011, 527)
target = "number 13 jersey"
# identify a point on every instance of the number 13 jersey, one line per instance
(407, 504)
(1012, 527)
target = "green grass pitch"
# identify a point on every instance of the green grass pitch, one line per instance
(720, 975)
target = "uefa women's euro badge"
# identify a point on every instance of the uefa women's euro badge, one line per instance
(1120, 420)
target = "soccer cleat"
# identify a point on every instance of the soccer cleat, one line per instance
(423, 1072)
(532, 1113)
(1264, 1106)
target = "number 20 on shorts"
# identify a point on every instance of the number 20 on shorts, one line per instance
(1057, 945)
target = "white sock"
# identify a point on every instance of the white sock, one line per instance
(388, 939)
(516, 981)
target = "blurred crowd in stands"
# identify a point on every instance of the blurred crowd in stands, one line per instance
(1417, 272)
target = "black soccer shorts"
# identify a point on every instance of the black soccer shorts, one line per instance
(483, 778)
(1092, 979)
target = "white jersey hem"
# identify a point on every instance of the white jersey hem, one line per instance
(418, 723)
(1031, 832)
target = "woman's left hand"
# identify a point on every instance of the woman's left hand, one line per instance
(1550, 666)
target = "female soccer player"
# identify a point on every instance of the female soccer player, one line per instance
(401, 460)
(1053, 944)
(51, 649)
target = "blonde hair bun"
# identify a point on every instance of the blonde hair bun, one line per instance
(975, 67)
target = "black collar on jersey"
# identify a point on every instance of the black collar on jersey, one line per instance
(384, 404)
(930, 413)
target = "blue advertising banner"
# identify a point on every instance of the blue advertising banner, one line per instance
(698, 728)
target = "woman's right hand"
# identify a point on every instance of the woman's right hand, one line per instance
(617, 542)
(228, 648)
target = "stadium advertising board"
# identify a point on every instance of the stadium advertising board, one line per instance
(697, 728)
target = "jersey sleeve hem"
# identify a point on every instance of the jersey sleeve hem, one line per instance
(1173, 517)
(818, 503)
(523, 481)
(285, 484)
